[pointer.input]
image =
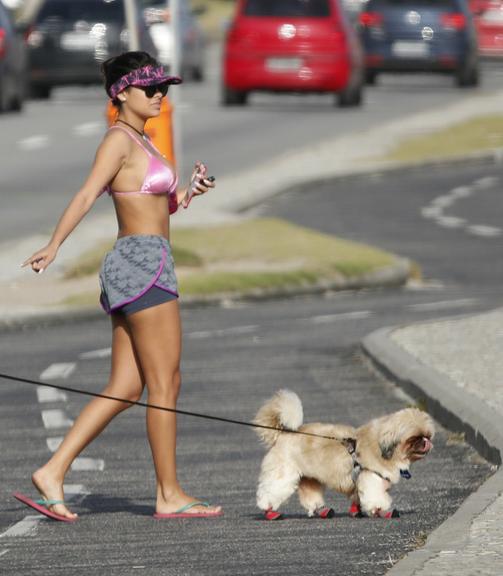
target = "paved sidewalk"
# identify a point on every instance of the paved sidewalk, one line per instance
(456, 366)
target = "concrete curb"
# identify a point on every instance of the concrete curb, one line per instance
(457, 410)
(389, 277)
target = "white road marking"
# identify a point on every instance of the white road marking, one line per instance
(55, 419)
(85, 464)
(103, 353)
(450, 221)
(54, 443)
(26, 527)
(61, 370)
(88, 129)
(327, 318)
(431, 212)
(50, 395)
(3, 552)
(33, 142)
(485, 231)
(75, 493)
(443, 305)
(461, 192)
(486, 182)
(223, 332)
(435, 209)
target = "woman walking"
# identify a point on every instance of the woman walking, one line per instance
(138, 284)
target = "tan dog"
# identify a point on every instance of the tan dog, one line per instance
(362, 463)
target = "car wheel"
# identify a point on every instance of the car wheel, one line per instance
(197, 74)
(467, 77)
(17, 101)
(350, 96)
(232, 97)
(370, 77)
(40, 91)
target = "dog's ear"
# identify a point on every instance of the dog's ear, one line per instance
(388, 449)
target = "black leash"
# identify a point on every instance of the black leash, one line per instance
(175, 410)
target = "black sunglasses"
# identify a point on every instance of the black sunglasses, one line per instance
(151, 91)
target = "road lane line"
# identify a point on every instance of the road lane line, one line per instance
(34, 142)
(327, 318)
(26, 527)
(236, 330)
(82, 464)
(59, 370)
(486, 182)
(484, 231)
(55, 419)
(103, 353)
(442, 305)
(50, 395)
(54, 442)
(88, 129)
(3, 552)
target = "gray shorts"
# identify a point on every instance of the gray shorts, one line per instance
(137, 273)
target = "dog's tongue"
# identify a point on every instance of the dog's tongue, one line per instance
(427, 445)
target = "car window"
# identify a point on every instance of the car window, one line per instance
(290, 8)
(94, 10)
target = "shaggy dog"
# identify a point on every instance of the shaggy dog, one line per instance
(362, 463)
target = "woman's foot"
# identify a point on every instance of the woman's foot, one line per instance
(51, 489)
(169, 502)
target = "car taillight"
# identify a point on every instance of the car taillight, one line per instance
(34, 38)
(3, 43)
(370, 19)
(454, 21)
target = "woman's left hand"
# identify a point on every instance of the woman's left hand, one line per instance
(199, 184)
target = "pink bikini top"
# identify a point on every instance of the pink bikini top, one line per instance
(159, 179)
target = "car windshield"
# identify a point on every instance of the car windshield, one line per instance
(93, 10)
(290, 8)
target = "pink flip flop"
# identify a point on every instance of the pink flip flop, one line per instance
(41, 506)
(182, 512)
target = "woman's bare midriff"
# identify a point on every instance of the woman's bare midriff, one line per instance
(142, 214)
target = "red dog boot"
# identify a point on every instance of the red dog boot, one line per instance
(390, 514)
(271, 514)
(355, 511)
(324, 512)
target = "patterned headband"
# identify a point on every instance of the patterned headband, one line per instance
(146, 76)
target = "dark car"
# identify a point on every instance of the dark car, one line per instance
(420, 36)
(69, 39)
(292, 45)
(12, 64)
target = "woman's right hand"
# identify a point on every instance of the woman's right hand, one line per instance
(41, 259)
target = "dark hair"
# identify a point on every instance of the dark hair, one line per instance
(115, 68)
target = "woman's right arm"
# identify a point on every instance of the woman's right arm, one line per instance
(109, 159)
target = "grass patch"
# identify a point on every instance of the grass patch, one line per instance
(261, 254)
(481, 133)
(90, 262)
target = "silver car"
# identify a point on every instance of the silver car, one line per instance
(193, 40)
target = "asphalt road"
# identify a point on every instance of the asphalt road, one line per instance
(235, 357)
(46, 152)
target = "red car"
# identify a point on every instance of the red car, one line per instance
(488, 15)
(294, 46)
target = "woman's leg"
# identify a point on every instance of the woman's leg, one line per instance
(156, 334)
(126, 381)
